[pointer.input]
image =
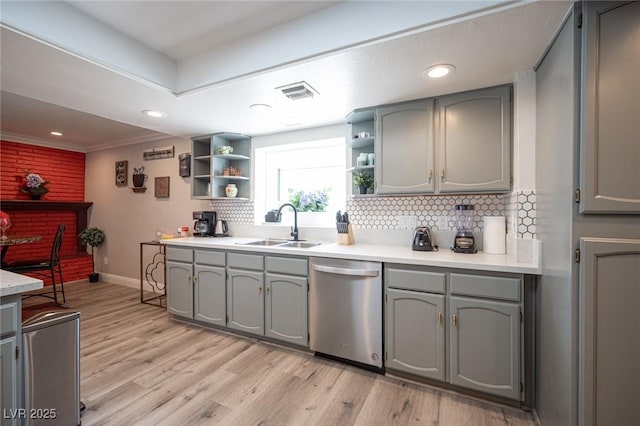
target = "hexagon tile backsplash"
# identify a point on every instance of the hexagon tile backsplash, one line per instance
(374, 212)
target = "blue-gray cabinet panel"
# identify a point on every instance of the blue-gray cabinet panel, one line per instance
(179, 289)
(414, 333)
(245, 261)
(404, 277)
(245, 300)
(484, 349)
(287, 265)
(486, 286)
(209, 257)
(179, 254)
(286, 308)
(210, 294)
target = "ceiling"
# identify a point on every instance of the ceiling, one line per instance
(88, 69)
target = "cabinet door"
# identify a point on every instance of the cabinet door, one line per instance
(609, 332)
(179, 289)
(245, 301)
(209, 298)
(484, 351)
(610, 136)
(9, 379)
(415, 333)
(404, 148)
(286, 308)
(474, 141)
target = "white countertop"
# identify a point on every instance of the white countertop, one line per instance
(380, 253)
(12, 283)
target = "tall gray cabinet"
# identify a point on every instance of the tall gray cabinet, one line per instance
(588, 186)
(10, 346)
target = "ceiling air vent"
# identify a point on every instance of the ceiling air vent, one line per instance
(299, 90)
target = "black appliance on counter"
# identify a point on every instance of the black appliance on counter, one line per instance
(422, 240)
(205, 222)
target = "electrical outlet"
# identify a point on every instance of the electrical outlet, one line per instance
(442, 222)
(407, 222)
(105, 260)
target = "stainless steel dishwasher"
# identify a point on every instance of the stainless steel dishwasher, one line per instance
(51, 342)
(345, 309)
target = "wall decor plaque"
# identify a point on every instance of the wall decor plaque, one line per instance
(122, 168)
(162, 187)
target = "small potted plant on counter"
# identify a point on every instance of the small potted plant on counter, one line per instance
(362, 180)
(92, 237)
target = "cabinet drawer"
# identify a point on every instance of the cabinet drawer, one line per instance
(9, 318)
(287, 265)
(245, 261)
(205, 257)
(179, 254)
(486, 286)
(407, 279)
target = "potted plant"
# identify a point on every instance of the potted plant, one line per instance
(92, 237)
(139, 178)
(362, 180)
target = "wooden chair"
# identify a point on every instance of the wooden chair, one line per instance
(49, 265)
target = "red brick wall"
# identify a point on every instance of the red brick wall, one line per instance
(65, 172)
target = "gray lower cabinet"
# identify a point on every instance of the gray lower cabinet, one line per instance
(415, 333)
(196, 284)
(478, 315)
(245, 300)
(484, 350)
(609, 333)
(286, 308)
(209, 297)
(180, 288)
(10, 343)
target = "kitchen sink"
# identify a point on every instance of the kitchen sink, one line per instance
(263, 243)
(281, 243)
(299, 244)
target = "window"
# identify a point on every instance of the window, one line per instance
(310, 175)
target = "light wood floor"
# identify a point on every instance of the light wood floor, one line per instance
(139, 367)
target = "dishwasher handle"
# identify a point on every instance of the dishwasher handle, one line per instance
(346, 271)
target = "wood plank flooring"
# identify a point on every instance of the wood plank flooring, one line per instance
(140, 367)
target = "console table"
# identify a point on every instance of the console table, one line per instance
(150, 273)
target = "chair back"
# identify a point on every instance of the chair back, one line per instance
(57, 244)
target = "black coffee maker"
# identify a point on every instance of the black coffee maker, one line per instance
(205, 221)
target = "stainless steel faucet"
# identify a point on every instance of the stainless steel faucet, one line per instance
(294, 230)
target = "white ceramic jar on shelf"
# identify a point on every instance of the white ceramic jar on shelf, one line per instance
(231, 190)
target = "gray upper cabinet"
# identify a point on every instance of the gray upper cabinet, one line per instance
(484, 347)
(474, 141)
(180, 288)
(415, 333)
(209, 298)
(609, 320)
(245, 301)
(610, 134)
(404, 148)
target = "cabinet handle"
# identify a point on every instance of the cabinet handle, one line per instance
(190, 278)
(268, 288)
(442, 175)
(440, 317)
(195, 279)
(455, 320)
(430, 175)
(259, 290)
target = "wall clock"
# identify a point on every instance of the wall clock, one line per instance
(162, 187)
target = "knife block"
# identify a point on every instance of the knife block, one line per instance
(346, 239)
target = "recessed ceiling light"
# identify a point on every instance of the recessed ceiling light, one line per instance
(54, 133)
(260, 107)
(154, 114)
(437, 71)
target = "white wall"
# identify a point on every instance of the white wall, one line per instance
(129, 218)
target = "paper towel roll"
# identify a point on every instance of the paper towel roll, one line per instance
(494, 237)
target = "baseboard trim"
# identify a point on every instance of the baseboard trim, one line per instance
(120, 280)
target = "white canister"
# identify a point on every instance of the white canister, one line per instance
(231, 190)
(494, 235)
(371, 158)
